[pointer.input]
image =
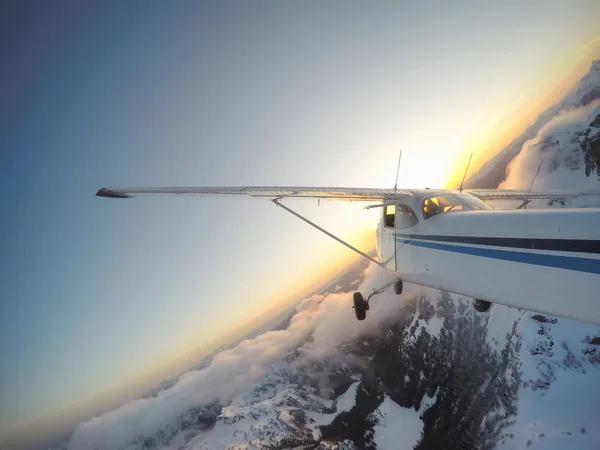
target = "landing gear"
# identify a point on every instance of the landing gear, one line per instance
(398, 286)
(481, 305)
(361, 306)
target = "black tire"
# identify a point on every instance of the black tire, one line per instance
(398, 287)
(360, 306)
(481, 305)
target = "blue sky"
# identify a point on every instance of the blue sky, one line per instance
(95, 292)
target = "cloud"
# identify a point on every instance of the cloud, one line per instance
(557, 144)
(320, 325)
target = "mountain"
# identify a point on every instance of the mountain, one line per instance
(439, 375)
(581, 100)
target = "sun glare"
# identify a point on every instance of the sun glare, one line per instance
(428, 169)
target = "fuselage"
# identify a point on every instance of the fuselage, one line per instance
(546, 260)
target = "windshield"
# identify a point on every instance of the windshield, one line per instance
(450, 202)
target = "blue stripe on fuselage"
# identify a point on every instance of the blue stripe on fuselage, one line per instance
(539, 259)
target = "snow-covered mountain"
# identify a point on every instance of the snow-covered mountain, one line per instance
(571, 125)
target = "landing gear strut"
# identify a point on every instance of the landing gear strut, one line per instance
(481, 305)
(361, 306)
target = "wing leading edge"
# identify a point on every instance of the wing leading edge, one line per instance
(269, 192)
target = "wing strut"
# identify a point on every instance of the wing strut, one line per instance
(323, 230)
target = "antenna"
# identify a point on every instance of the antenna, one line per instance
(398, 170)
(465, 175)
(533, 181)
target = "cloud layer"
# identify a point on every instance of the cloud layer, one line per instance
(320, 325)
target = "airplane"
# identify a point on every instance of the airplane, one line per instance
(542, 260)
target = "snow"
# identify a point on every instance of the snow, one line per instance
(554, 413)
(319, 419)
(554, 418)
(434, 326)
(344, 403)
(399, 428)
(552, 355)
(348, 399)
(501, 319)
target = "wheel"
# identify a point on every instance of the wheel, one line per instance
(360, 306)
(481, 305)
(398, 287)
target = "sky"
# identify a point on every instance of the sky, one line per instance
(99, 295)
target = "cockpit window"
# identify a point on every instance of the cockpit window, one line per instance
(405, 217)
(447, 202)
(389, 216)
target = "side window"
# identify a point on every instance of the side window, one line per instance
(440, 204)
(405, 217)
(389, 216)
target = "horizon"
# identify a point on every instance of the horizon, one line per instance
(101, 299)
(120, 395)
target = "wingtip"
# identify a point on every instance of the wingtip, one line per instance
(110, 194)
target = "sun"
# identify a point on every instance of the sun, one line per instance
(429, 168)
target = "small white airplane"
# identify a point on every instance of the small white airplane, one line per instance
(542, 260)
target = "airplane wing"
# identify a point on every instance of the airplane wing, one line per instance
(508, 194)
(333, 193)
(269, 192)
